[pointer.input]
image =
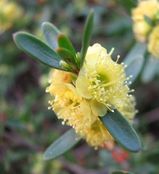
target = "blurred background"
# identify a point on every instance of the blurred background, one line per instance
(27, 127)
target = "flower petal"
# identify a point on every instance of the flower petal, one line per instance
(82, 87)
(98, 108)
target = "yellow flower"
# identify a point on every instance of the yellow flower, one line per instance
(147, 8)
(74, 110)
(9, 13)
(100, 86)
(104, 81)
(141, 29)
(153, 45)
(57, 76)
(97, 135)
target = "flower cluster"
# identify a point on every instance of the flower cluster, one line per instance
(10, 12)
(145, 17)
(100, 86)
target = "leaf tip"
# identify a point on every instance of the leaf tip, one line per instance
(91, 14)
(45, 156)
(92, 11)
(15, 35)
(47, 26)
(18, 33)
(44, 25)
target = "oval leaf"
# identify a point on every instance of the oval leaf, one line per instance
(122, 131)
(36, 48)
(138, 49)
(134, 61)
(64, 42)
(65, 54)
(51, 33)
(87, 35)
(134, 68)
(61, 145)
(150, 69)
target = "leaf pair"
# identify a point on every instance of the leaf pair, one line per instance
(37, 49)
(116, 124)
(46, 53)
(59, 42)
(41, 51)
(67, 51)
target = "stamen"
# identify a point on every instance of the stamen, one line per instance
(111, 52)
(49, 107)
(118, 57)
(47, 90)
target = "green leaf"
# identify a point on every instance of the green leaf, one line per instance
(36, 48)
(134, 61)
(87, 36)
(51, 33)
(134, 68)
(61, 145)
(150, 69)
(64, 42)
(65, 54)
(137, 50)
(121, 172)
(122, 131)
